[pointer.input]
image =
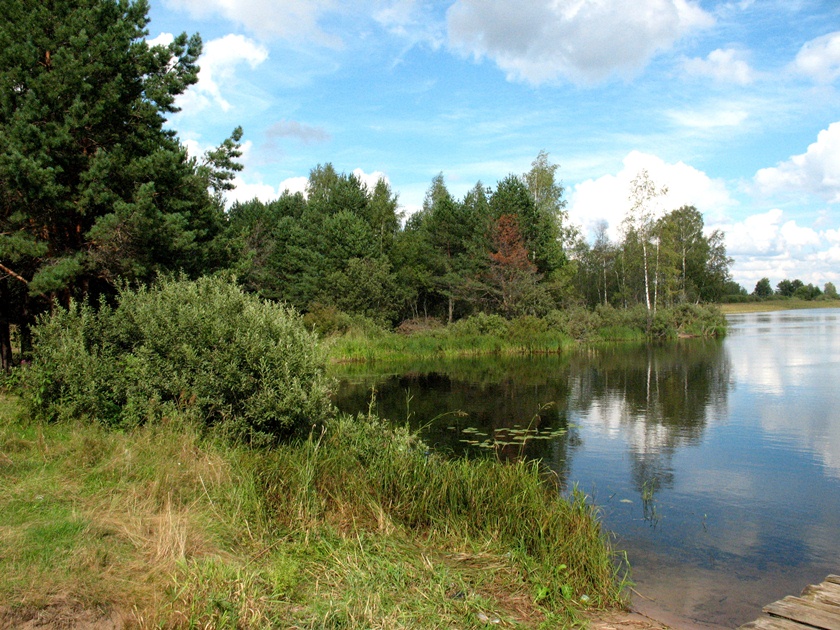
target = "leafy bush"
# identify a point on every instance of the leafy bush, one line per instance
(204, 348)
(699, 320)
(327, 321)
(576, 322)
(480, 324)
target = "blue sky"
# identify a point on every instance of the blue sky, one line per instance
(734, 106)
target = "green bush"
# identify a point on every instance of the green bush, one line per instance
(480, 324)
(203, 348)
(576, 322)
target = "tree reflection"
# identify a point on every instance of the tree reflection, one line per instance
(658, 398)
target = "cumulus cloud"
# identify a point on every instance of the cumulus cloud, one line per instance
(820, 58)
(817, 171)
(164, 39)
(767, 244)
(298, 131)
(580, 40)
(370, 179)
(766, 234)
(606, 198)
(725, 66)
(246, 191)
(284, 19)
(219, 63)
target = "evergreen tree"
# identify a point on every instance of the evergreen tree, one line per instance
(92, 186)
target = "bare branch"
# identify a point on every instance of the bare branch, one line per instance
(13, 274)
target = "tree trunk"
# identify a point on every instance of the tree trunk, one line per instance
(5, 346)
(25, 340)
(656, 281)
(647, 279)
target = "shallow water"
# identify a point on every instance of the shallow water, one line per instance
(716, 464)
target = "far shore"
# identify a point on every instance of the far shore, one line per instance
(776, 305)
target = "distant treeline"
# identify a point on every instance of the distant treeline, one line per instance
(785, 289)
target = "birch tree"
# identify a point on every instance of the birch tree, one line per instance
(641, 219)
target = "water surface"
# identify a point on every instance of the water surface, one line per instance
(716, 463)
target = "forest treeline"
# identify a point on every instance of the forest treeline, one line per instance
(96, 192)
(508, 250)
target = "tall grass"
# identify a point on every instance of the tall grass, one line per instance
(356, 526)
(558, 331)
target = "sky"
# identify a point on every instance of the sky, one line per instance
(733, 106)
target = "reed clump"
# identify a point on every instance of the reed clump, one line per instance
(559, 330)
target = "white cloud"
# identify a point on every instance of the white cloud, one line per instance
(580, 40)
(769, 245)
(370, 179)
(606, 198)
(164, 39)
(286, 19)
(816, 171)
(246, 191)
(412, 21)
(725, 66)
(709, 119)
(219, 63)
(820, 58)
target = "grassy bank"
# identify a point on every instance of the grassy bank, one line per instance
(765, 306)
(560, 330)
(358, 526)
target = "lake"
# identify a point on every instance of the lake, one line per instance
(716, 464)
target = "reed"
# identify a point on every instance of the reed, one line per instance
(557, 332)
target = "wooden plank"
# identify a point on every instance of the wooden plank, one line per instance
(827, 593)
(774, 623)
(823, 616)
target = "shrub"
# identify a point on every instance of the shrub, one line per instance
(577, 322)
(204, 348)
(480, 324)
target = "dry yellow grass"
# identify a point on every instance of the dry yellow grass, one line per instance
(776, 305)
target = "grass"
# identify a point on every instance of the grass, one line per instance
(394, 346)
(765, 306)
(557, 332)
(357, 526)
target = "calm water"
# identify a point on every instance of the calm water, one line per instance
(717, 464)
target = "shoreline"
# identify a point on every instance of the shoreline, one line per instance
(770, 306)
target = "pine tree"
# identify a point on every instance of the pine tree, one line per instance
(92, 186)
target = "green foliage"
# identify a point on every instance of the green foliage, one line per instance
(480, 324)
(807, 292)
(659, 262)
(763, 288)
(205, 348)
(365, 287)
(327, 320)
(93, 188)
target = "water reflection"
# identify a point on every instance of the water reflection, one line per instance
(716, 464)
(657, 398)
